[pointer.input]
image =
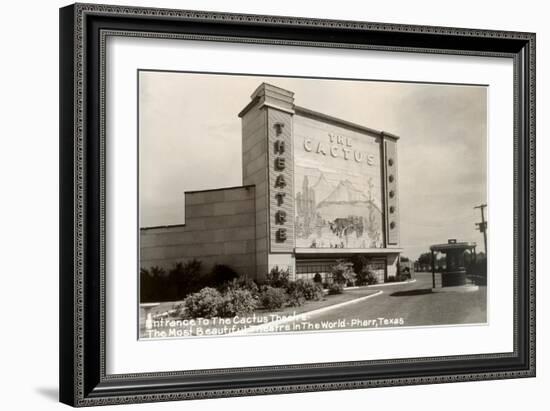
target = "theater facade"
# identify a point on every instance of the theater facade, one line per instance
(316, 189)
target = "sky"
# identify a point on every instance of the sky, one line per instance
(190, 139)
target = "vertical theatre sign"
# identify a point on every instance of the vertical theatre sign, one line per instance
(281, 181)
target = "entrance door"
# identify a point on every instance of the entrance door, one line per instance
(307, 268)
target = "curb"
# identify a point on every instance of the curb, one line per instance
(270, 324)
(381, 285)
(394, 283)
(167, 313)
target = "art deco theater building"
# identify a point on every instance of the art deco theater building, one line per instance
(315, 189)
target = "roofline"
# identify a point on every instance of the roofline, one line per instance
(450, 246)
(193, 192)
(344, 123)
(255, 101)
(317, 115)
(161, 226)
(248, 106)
(268, 86)
(219, 189)
(267, 92)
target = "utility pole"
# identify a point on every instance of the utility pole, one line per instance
(482, 227)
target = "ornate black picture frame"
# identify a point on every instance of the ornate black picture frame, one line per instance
(83, 30)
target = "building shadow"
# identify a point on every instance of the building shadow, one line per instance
(407, 293)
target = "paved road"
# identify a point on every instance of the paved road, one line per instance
(415, 304)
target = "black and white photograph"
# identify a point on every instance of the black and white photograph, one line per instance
(266, 206)
(261, 203)
(308, 205)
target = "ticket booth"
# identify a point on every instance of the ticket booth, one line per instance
(454, 273)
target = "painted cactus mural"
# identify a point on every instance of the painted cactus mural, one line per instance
(337, 215)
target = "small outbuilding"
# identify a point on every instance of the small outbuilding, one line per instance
(454, 273)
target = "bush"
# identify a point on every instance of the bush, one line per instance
(206, 304)
(317, 278)
(242, 283)
(397, 278)
(295, 298)
(366, 277)
(309, 290)
(401, 277)
(372, 278)
(158, 284)
(222, 274)
(342, 273)
(272, 298)
(360, 262)
(179, 309)
(152, 284)
(278, 278)
(237, 302)
(335, 288)
(209, 303)
(181, 280)
(186, 278)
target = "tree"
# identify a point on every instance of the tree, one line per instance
(359, 262)
(342, 273)
(425, 259)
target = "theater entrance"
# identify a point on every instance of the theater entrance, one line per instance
(307, 268)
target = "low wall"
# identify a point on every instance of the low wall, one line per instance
(220, 228)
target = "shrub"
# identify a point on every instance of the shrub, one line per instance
(193, 267)
(222, 274)
(242, 283)
(182, 279)
(152, 282)
(309, 290)
(371, 278)
(366, 277)
(317, 278)
(206, 304)
(359, 262)
(179, 309)
(278, 277)
(397, 278)
(295, 298)
(237, 301)
(342, 273)
(401, 277)
(335, 288)
(186, 278)
(272, 298)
